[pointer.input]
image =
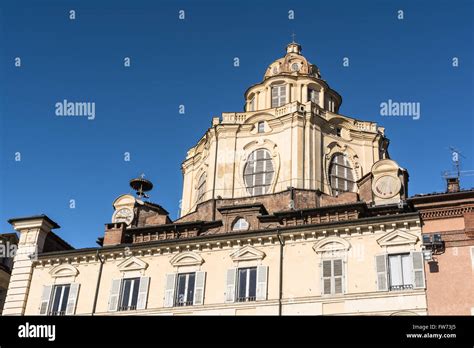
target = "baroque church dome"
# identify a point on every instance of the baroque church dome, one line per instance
(293, 63)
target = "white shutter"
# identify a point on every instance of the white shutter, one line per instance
(338, 275)
(72, 298)
(114, 295)
(47, 289)
(381, 267)
(326, 274)
(199, 285)
(169, 289)
(262, 276)
(143, 292)
(418, 271)
(230, 285)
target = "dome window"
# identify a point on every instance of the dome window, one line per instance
(240, 225)
(341, 174)
(278, 95)
(252, 104)
(313, 95)
(258, 172)
(201, 188)
(295, 67)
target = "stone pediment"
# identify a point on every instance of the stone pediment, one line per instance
(132, 264)
(331, 244)
(247, 253)
(187, 258)
(397, 237)
(64, 271)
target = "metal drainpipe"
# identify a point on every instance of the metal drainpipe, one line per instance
(280, 291)
(98, 282)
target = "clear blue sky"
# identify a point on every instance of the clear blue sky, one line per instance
(190, 62)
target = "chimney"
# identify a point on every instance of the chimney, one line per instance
(452, 184)
(114, 233)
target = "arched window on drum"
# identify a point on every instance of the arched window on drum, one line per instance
(258, 172)
(341, 175)
(201, 188)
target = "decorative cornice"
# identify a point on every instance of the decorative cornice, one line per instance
(442, 213)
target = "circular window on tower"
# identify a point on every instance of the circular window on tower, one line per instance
(258, 172)
(295, 67)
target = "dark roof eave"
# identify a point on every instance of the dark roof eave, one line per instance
(197, 224)
(444, 196)
(362, 206)
(229, 235)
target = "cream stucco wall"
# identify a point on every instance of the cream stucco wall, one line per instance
(301, 278)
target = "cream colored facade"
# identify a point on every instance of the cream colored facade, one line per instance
(308, 239)
(301, 135)
(303, 251)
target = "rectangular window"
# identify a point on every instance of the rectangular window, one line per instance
(261, 127)
(313, 96)
(332, 279)
(129, 294)
(252, 104)
(185, 289)
(59, 300)
(278, 95)
(400, 271)
(247, 284)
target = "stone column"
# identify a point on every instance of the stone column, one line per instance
(33, 231)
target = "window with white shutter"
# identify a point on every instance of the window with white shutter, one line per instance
(381, 269)
(114, 295)
(403, 271)
(170, 286)
(247, 283)
(129, 294)
(44, 305)
(278, 95)
(199, 286)
(143, 292)
(262, 279)
(72, 299)
(59, 299)
(230, 285)
(185, 287)
(258, 172)
(332, 280)
(418, 278)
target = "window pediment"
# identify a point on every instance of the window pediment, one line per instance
(64, 271)
(187, 258)
(331, 244)
(247, 253)
(132, 264)
(397, 237)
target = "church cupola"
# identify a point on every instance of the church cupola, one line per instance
(293, 47)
